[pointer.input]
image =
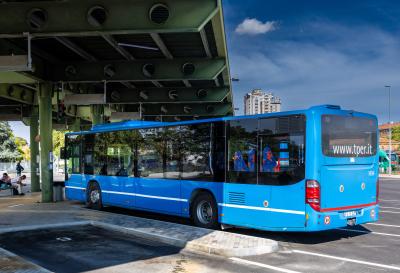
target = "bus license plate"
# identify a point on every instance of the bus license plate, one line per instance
(351, 221)
(348, 214)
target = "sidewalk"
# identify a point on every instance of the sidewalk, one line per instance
(25, 213)
(394, 176)
(11, 263)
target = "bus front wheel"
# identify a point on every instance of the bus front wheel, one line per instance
(93, 199)
(205, 211)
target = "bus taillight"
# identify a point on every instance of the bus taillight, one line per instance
(313, 194)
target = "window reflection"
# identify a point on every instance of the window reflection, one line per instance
(73, 144)
(243, 151)
(281, 141)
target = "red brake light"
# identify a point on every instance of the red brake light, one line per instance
(377, 191)
(313, 194)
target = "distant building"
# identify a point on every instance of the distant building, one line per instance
(259, 102)
(384, 137)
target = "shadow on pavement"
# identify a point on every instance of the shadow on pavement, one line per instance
(81, 249)
(289, 237)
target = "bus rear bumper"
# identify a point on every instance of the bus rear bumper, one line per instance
(316, 221)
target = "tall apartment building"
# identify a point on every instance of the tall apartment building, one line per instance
(259, 102)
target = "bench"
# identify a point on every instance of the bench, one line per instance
(5, 187)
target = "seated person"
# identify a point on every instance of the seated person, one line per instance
(16, 184)
(268, 161)
(5, 180)
(239, 165)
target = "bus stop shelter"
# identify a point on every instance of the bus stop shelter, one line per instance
(71, 64)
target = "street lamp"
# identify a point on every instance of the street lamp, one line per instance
(390, 134)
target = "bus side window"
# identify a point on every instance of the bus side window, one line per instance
(196, 152)
(242, 151)
(87, 153)
(282, 150)
(151, 153)
(73, 146)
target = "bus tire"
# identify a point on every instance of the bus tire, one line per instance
(93, 199)
(204, 211)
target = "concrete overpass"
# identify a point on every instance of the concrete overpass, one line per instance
(73, 63)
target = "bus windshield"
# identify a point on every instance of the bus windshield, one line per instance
(348, 136)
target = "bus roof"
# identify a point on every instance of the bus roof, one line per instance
(139, 124)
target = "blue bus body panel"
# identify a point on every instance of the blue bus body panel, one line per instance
(161, 195)
(341, 178)
(75, 188)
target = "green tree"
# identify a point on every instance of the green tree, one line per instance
(8, 148)
(396, 133)
(23, 148)
(58, 142)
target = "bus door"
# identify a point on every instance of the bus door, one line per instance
(158, 186)
(281, 142)
(118, 182)
(74, 186)
(350, 165)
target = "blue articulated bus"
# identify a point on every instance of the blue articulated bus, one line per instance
(307, 170)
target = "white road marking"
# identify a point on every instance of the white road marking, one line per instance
(388, 211)
(348, 260)
(388, 207)
(386, 200)
(370, 232)
(279, 269)
(385, 225)
(17, 205)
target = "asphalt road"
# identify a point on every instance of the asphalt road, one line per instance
(369, 248)
(373, 247)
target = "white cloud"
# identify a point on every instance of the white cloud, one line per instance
(252, 26)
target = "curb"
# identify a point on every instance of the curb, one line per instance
(393, 176)
(13, 263)
(270, 247)
(44, 226)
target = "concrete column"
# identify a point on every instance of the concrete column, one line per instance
(34, 147)
(97, 112)
(46, 141)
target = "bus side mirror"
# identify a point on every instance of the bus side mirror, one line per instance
(63, 153)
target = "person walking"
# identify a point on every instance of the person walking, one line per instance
(19, 168)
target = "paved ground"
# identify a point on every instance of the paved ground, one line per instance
(371, 248)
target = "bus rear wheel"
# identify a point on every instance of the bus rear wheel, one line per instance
(204, 211)
(93, 199)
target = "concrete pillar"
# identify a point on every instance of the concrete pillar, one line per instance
(46, 141)
(97, 112)
(34, 147)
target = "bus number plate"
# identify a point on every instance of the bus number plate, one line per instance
(348, 214)
(351, 221)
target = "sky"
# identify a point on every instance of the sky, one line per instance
(316, 52)
(313, 52)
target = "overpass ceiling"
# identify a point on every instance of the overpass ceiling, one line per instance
(168, 56)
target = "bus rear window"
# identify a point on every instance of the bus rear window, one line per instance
(345, 136)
